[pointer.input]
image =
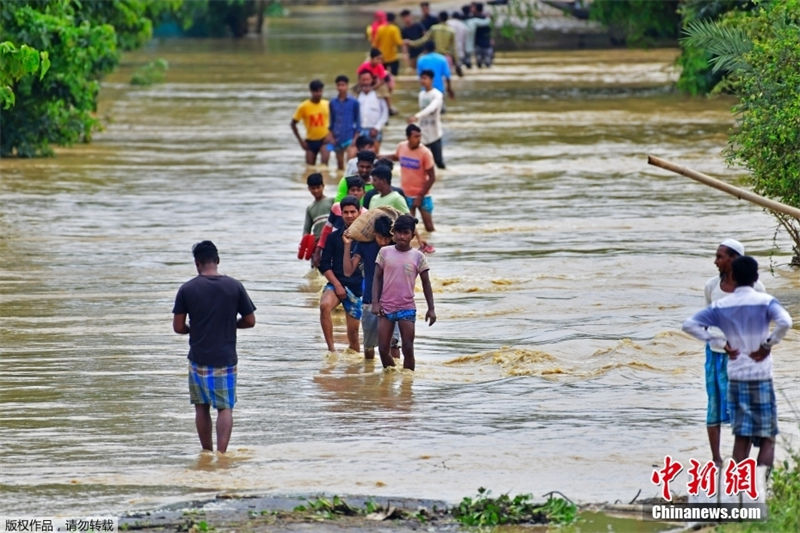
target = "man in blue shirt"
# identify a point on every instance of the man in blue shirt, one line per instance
(345, 121)
(437, 63)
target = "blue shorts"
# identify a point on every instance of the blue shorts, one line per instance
(215, 386)
(343, 145)
(364, 132)
(351, 304)
(405, 314)
(754, 410)
(369, 326)
(717, 388)
(427, 203)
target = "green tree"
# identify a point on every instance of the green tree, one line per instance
(55, 108)
(18, 63)
(637, 22)
(698, 74)
(763, 59)
(82, 42)
(218, 18)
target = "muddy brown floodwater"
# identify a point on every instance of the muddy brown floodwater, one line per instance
(564, 269)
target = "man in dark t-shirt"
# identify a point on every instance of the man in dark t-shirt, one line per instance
(411, 31)
(343, 277)
(216, 306)
(427, 19)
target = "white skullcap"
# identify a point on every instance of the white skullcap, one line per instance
(734, 245)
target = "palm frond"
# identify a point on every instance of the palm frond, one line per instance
(726, 45)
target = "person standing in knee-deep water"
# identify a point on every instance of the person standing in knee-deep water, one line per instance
(216, 305)
(427, 19)
(345, 121)
(341, 289)
(429, 116)
(484, 44)
(417, 176)
(744, 318)
(316, 213)
(387, 40)
(315, 113)
(396, 271)
(437, 63)
(365, 256)
(373, 109)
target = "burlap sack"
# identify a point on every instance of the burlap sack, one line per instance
(363, 228)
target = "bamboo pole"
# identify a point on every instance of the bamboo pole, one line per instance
(742, 194)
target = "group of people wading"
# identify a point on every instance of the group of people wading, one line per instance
(374, 281)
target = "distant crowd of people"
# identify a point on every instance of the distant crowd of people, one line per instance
(458, 36)
(433, 46)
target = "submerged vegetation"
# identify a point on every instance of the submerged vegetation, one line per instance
(483, 510)
(153, 72)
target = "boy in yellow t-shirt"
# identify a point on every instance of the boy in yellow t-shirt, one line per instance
(316, 116)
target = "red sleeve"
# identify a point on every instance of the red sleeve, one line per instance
(323, 236)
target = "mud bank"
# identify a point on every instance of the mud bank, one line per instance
(263, 514)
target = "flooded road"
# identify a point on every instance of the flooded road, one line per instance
(564, 269)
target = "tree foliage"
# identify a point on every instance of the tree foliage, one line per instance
(77, 43)
(18, 63)
(765, 76)
(514, 19)
(767, 137)
(698, 74)
(637, 22)
(56, 107)
(218, 18)
(726, 45)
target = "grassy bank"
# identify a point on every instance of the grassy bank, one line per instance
(482, 512)
(783, 501)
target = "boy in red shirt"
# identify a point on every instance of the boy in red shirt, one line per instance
(383, 83)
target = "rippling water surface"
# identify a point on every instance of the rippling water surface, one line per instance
(565, 266)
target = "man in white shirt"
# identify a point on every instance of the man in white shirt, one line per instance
(429, 116)
(374, 111)
(461, 32)
(472, 23)
(362, 143)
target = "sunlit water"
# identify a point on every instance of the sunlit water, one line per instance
(565, 266)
